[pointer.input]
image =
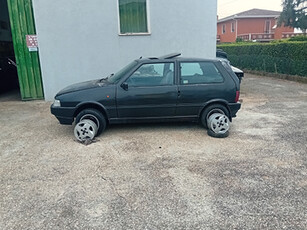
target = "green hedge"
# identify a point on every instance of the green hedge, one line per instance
(284, 57)
(299, 38)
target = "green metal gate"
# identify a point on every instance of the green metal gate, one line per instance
(29, 73)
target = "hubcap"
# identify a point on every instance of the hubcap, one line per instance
(218, 123)
(90, 117)
(214, 111)
(85, 129)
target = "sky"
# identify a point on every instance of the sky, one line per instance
(229, 7)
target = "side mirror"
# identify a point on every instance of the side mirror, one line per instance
(124, 86)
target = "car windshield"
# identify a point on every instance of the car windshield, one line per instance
(116, 77)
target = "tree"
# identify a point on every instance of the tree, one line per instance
(294, 14)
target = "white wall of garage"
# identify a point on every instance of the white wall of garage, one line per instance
(79, 40)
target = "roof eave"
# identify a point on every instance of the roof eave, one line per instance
(251, 16)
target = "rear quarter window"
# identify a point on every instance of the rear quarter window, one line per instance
(199, 73)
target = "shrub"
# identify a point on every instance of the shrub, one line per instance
(284, 57)
(299, 38)
(239, 39)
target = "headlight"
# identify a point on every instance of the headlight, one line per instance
(57, 103)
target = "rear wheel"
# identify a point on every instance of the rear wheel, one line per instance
(211, 109)
(218, 125)
(95, 116)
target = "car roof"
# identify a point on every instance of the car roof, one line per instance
(172, 57)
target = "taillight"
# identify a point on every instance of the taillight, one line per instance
(237, 96)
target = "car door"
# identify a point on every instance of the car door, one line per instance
(149, 92)
(199, 83)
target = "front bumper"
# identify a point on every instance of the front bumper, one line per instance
(65, 115)
(234, 108)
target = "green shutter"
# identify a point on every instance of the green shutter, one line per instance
(29, 74)
(133, 16)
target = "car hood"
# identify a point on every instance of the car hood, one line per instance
(80, 86)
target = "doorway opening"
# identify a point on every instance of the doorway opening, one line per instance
(9, 85)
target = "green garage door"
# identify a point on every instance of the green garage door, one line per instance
(22, 24)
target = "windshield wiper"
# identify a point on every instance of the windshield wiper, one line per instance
(106, 78)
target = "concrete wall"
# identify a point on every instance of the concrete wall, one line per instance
(5, 34)
(78, 40)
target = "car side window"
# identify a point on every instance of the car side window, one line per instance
(154, 74)
(199, 73)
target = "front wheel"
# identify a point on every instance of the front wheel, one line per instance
(95, 116)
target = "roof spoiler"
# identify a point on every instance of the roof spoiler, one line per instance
(170, 56)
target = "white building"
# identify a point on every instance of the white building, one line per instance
(80, 40)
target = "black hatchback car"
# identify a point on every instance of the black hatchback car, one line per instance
(153, 89)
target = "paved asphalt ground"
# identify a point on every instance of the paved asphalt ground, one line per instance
(159, 176)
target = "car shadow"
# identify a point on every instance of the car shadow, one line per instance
(155, 126)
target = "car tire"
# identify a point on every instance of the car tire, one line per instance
(217, 135)
(215, 108)
(95, 116)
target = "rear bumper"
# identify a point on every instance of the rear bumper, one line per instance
(65, 115)
(234, 108)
